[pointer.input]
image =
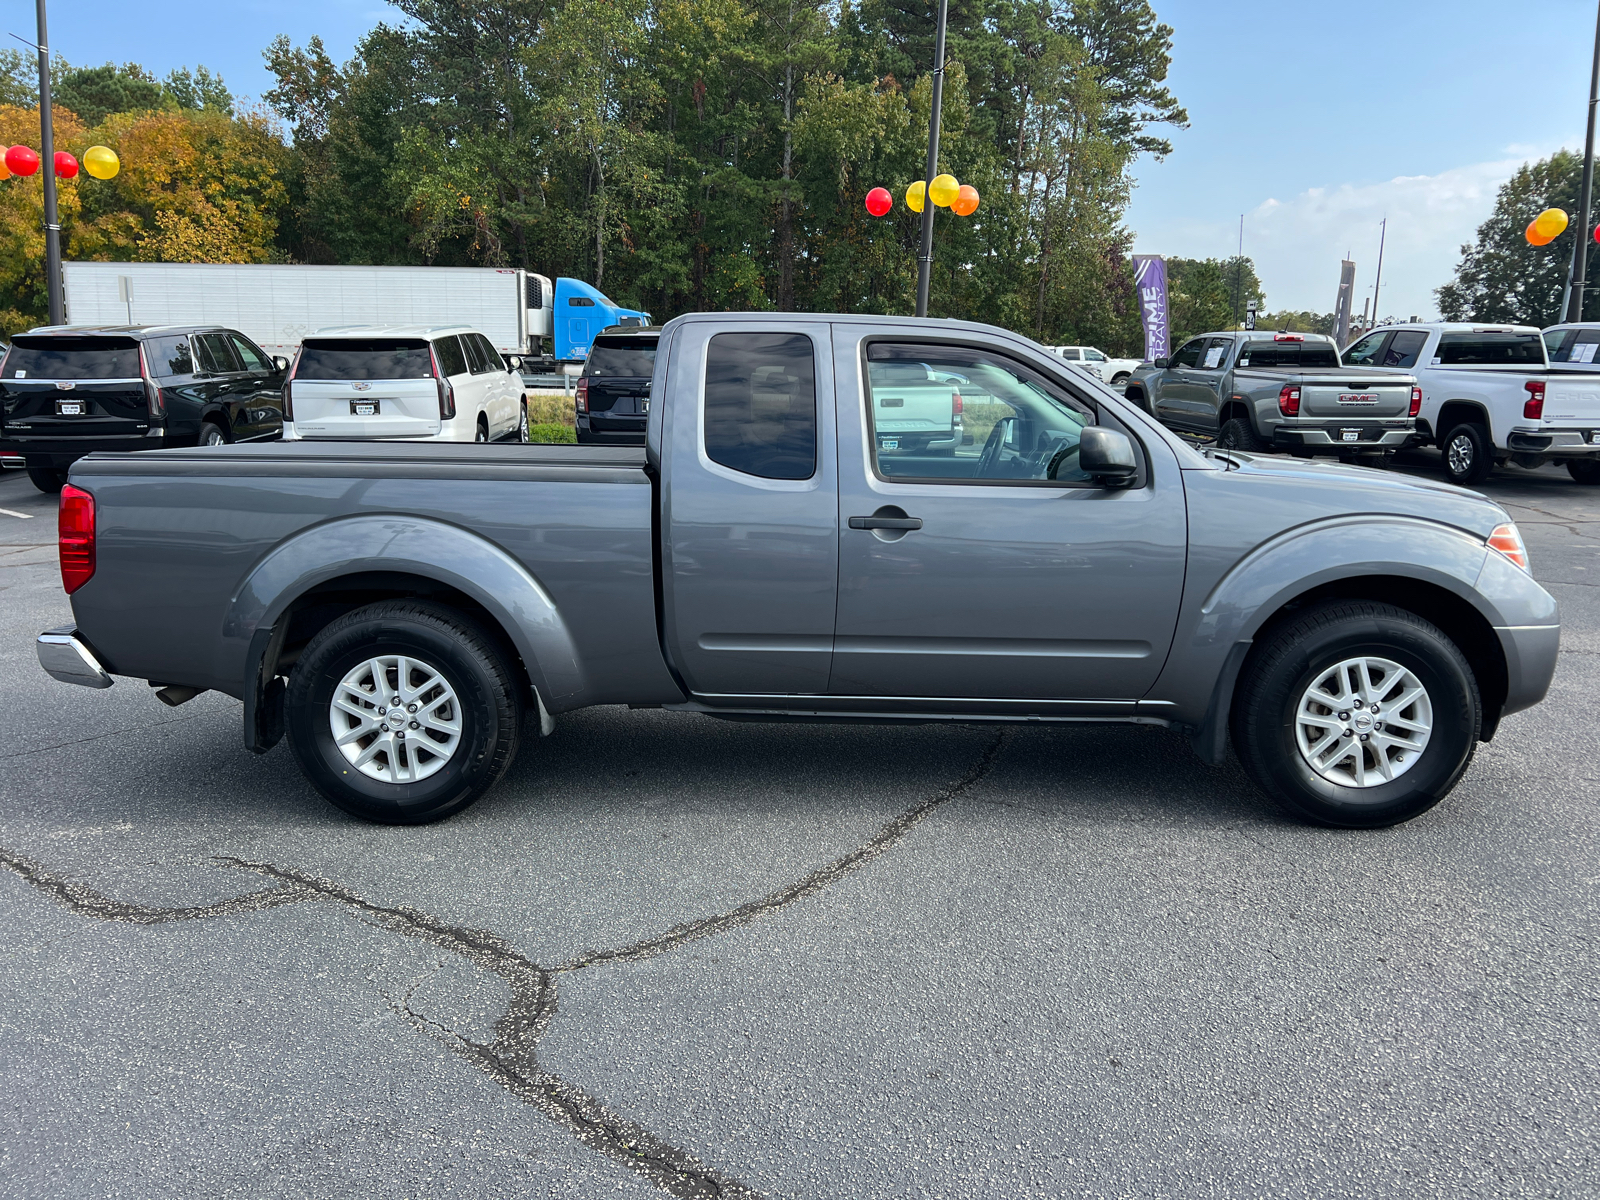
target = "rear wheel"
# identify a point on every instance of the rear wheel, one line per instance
(1120, 377)
(47, 479)
(403, 712)
(211, 435)
(1239, 434)
(1584, 470)
(483, 429)
(1356, 714)
(1468, 456)
(522, 423)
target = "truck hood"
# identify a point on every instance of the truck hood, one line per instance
(1302, 485)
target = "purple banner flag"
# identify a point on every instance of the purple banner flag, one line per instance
(1150, 283)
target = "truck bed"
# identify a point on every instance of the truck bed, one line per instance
(185, 536)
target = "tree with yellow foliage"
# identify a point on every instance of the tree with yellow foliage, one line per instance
(22, 285)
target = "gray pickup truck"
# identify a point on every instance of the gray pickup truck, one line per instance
(1279, 391)
(404, 610)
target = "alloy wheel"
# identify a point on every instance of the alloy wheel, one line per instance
(1363, 722)
(395, 718)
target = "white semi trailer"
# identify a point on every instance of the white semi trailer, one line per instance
(276, 306)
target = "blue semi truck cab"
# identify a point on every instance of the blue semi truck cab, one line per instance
(582, 311)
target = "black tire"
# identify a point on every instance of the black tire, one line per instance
(482, 434)
(1119, 378)
(522, 423)
(211, 434)
(1305, 649)
(1137, 398)
(47, 479)
(490, 710)
(1585, 470)
(1468, 457)
(1239, 434)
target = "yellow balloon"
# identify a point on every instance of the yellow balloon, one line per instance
(943, 190)
(1552, 222)
(101, 162)
(914, 196)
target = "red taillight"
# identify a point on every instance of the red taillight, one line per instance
(447, 393)
(76, 538)
(1289, 400)
(1416, 401)
(955, 404)
(154, 401)
(583, 393)
(1534, 408)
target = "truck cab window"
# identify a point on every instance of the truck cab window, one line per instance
(1403, 348)
(1365, 352)
(761, 404)
(1189, 354)
(951, 414)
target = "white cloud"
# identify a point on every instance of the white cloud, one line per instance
(1297, 243)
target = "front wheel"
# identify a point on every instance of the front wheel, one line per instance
(1585, 470)
(1468, 455)
(1239, 434)
(403, 712)
(1356, 714)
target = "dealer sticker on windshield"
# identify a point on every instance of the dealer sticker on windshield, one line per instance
(1358, 397)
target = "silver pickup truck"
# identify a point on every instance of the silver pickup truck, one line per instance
(1279, 391)
(404, 611)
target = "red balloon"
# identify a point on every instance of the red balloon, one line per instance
(1597, 233)
(22, 161)
(879, 202)
(66, 165)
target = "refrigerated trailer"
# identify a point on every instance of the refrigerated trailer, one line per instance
(277, 305)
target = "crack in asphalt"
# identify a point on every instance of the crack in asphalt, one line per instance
(511, 1057)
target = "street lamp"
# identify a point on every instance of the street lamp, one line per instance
(47, 151)
(925, 258)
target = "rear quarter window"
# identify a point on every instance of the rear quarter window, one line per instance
(373, 358)
(73, 358)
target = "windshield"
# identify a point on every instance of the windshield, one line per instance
(368, 358)
(632, 358)
(73, 358)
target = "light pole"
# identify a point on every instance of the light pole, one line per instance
(47, 150)
(925, 258)
(1580, 249)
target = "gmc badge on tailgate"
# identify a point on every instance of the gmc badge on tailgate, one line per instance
(1358, 397)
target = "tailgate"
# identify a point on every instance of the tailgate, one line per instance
(1355, 395)
(1572, 400)
(376, 408)
(74, 407)
(619, 396)
(914, 408)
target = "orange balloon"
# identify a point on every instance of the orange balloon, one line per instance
(5, 171)
(966, 201)
(1536, 238)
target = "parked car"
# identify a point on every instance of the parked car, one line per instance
(1490, 396)
(412, 383)
(68, 390)
(1258, 391)
(916, 408)
(1098, 363)
(1572, 347)
(399, 608)
(613, 400)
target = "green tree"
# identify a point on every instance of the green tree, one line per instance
(94, 93)
(1500, 277)
(199, 91)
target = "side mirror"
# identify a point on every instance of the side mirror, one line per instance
(1160, 362)
(513, 363)
(280, 362)
(1106, 456)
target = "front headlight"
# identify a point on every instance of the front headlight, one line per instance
(1508, 541)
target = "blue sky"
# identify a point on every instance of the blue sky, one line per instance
(1313, 120)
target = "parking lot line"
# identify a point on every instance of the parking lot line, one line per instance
(11, 512)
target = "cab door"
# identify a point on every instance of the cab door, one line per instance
(224, 382)
(1205, 381)
(262, 387)
(1172, 393)
(998, 578)
(750, 511)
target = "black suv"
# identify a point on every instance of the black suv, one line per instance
(614, 389)
(66, 391)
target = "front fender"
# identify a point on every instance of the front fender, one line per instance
(414, 546)
(1214, 626)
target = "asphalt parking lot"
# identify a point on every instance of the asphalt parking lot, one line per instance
(676, 956)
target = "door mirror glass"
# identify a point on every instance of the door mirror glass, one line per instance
(1106, 456)
(280, 363)
(1160, 363)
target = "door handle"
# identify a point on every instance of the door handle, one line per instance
(885, 522)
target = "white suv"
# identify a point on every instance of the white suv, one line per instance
(412, 382)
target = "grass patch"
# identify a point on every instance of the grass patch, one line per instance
(547, 409)
(552, 435)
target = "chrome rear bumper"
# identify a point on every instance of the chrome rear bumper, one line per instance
(66, 657)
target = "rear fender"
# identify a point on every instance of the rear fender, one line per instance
(254, 626)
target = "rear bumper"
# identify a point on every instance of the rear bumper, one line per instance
(1568, 443)
(602, 429)
(60, 453)
(1330, 436)
(67, 657)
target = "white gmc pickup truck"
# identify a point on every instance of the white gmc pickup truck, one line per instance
(1489, 397)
